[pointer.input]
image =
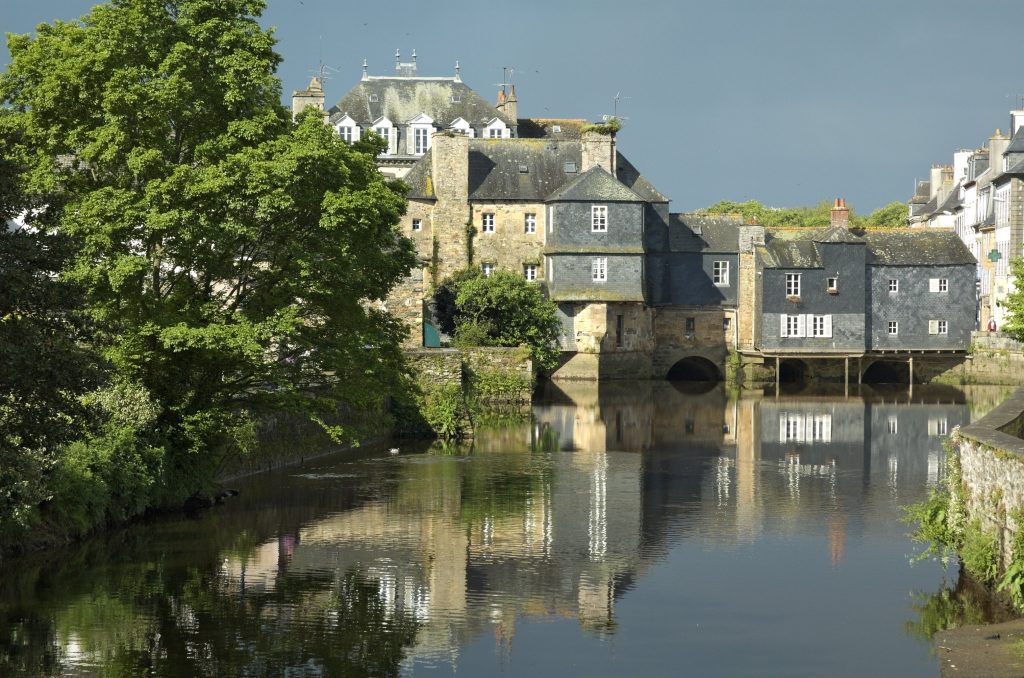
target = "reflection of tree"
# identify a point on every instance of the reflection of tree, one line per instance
(198, 623)
(949, 608)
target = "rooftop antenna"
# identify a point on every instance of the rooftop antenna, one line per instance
(506, 77)
(615, 108)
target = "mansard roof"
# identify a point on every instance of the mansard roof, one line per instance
(704, 233)
(1016, 143)
(781, 253)
(917, 248)
(552, 128)
(594, 185)
(496, 172)
(401, 99)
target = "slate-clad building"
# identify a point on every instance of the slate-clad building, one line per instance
(639, 291)
(837, 293)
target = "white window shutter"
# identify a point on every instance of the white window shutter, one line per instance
(933, 284)
(801, 326)
(808, 428)
(828, 326)
(933, 327)
(783, 418)
(783, 332)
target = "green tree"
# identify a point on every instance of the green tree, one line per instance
(503, 309)
(43, 363)
(1014, 325)
(230, 258)
(892, 215)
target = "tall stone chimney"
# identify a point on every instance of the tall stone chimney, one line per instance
(598, 150)
(311, 96)
(449, 169)
(512, 104)
(840, 214)
(997, 144)
(750, 238)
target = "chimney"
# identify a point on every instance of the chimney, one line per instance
(1016, 121)
(501, 100)
(996, 146)
(598, 150)
(449, 167)
(512, 104)
(311, 96)
(840, 214)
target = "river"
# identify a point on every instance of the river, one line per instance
(621, 529)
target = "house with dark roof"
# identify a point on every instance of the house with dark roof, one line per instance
(886, 294)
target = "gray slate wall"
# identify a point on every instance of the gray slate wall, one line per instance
(914, 305)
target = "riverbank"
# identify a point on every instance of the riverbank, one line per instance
(989, 651)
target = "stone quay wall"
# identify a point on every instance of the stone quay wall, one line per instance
(498, 373)
(994, 359)
(992, 464)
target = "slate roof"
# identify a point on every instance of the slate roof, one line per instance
(780, 253)
(595, 185)
(551, 128)
(704, 233)
(1016, 143)
(951, 202)
(917, 248)
(836, 234)
(401, 99)
(494, 173)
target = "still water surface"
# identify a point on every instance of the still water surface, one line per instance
(631, 529)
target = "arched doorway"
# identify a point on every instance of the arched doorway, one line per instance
(887, 372)
(792, 371)
(694, 368)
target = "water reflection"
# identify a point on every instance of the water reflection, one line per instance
(376, 565)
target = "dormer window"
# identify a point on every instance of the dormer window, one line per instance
(421, 130)
(456, 99)
(832, 286)
(373, 99)
(496, 129)
(347, 129)
(462, 126)
(386, 131)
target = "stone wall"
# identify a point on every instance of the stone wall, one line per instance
(437, 367)
(509, 247)
(992, 464)
(994, 359)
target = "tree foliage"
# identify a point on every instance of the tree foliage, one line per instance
(229, 259)
(502, 309)
(1014, 303)
(892, 215)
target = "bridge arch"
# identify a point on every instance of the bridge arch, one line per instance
(694, 368)
(887, 372)
(793, 371)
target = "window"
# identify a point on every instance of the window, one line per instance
(598, 218)
(487, 267)
(726, 323)
(893, 425)
(691, 325)
(556, 128)
(570, 168)
(530, 272)
(385, 134)
(524, 169)
(720, 273)
(821, 326)
(618, 331)
(530, 223)
(938, 285)
(938, 427)
(346, 134)
(487, 222)
(938, 327)
(417, 224)
(792, 284)
(792, 325)
(599, 269)
(420, 141)
(494, 133)
(821, 427)
(832, 286)
(894, 327)
(894, 286)
(456, 99)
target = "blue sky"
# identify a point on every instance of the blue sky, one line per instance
(789, 102)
